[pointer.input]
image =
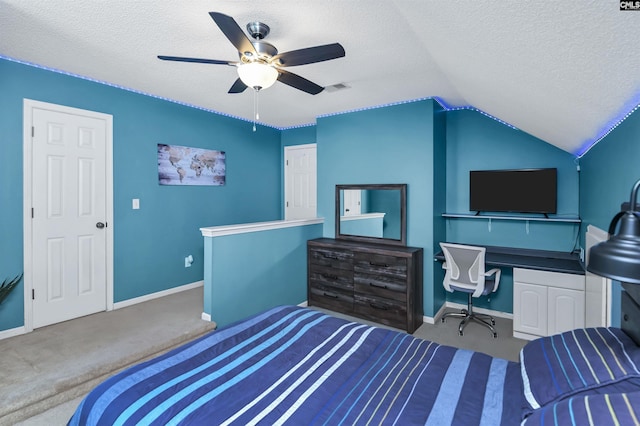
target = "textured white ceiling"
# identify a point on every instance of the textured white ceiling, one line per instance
(562, 71)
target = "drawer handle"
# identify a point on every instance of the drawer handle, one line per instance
(376, 306)
(382, 265)
(330, 295)
(328, 256)
(378, 285)
(330, 277)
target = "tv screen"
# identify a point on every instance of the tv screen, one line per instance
(516, 191)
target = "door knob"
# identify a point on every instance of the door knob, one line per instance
(99, 225)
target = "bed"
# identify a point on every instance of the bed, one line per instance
(299, 366)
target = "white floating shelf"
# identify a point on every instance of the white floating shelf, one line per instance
(567, 219)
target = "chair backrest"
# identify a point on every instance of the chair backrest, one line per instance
(465, 268)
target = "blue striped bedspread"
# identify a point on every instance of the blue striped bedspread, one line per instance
(298, 366)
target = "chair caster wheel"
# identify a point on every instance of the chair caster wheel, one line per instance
(460, 333)
(493, 322)
(443, 319)
(495, 335)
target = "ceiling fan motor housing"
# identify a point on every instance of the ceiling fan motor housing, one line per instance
(258, 30)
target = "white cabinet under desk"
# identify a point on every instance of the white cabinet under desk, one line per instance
(546, 303)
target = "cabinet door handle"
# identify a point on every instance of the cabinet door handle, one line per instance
(383, 265)
(378, 285)
(381, 307)
(330, 295)
(328, 256)
(330, 277)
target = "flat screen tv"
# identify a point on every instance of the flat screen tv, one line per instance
(515, 191)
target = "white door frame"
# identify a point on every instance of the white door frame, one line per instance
(286, 151)
(27, 173)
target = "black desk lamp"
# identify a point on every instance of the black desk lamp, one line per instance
(618, 258)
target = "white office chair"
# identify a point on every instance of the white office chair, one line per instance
(466, 272)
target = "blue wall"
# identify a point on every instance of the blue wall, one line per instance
(607, 174)
(477, 142)
(399, 144)
(149, 244)
(396, 144)
(251, 272)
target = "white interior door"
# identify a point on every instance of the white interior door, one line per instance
(352, 202)
(69, 216)
(300, 181)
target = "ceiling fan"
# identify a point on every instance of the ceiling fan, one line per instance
(260, 64)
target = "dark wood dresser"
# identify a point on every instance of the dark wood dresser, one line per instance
(380, 283)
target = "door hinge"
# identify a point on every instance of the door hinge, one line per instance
(287, 163)
(287, 204)
(33, 131)
(32, 213)
(33, 294)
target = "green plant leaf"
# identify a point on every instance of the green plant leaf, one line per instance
(8, 285)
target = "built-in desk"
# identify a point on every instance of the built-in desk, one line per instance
(548, 289)
(542, 260)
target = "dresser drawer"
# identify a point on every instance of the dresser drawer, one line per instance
(333, 258)
(341, 278)
(390, 266)
(330, 297)
(390, 287)
(389, 312)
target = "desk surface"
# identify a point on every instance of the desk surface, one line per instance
(544, 260)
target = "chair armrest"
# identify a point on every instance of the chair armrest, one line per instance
(497, 272)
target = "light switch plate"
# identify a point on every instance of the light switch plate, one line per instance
(135, 203)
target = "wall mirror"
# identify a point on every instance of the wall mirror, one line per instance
(375, 213)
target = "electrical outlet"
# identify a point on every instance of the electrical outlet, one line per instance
(188, 261)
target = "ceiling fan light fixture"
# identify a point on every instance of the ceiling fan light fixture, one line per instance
(257, 75)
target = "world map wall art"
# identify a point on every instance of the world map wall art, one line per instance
(182, 165)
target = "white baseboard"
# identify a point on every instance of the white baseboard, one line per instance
(5, 334)
(156, 295)
(303, 304)
(524, 336)
(433, 319)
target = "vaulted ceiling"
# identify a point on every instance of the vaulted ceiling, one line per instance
(564, 72)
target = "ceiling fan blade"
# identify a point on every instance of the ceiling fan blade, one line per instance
(197, 60)
(300, 83)
(237, 87)
(233, 32)
(310, 55)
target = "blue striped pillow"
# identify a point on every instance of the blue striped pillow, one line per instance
(606, 409)
(593, 360)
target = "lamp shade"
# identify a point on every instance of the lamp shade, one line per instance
(257, 75)
(618, 258)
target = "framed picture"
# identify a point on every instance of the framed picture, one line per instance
(183, 165)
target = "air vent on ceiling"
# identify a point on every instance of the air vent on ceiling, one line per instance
(336, 87)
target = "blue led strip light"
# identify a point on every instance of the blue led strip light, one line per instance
(630, 107)
(130, 90)
(615, 122)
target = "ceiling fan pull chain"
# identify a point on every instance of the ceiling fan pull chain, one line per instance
(255, 108)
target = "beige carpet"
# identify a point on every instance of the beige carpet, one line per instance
(59, 363)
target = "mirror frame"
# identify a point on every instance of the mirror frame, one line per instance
(402, 187)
